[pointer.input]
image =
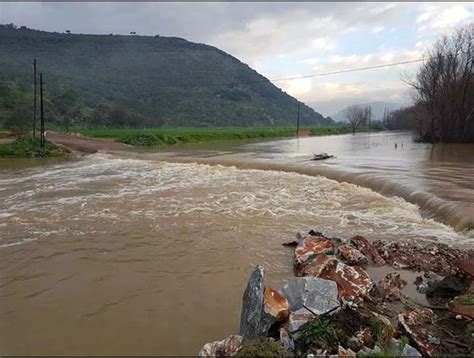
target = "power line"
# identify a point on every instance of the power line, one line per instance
(266, 80)
(322, 74)
(349, 70)
(357, 69)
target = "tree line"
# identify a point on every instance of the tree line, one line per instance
(443, 92)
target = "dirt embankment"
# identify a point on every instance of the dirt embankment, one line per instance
(85, 145)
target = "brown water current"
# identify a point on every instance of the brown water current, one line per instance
(130, 254)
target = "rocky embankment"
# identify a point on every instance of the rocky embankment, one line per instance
(421, 305)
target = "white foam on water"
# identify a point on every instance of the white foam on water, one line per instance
(16, 243)
(113, 191)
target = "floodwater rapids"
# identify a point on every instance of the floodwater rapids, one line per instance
(149, 253)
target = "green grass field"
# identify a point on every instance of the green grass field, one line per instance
(162, 137)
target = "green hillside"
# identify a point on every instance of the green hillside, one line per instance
(138, 81)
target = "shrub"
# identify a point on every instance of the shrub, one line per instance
(262, 348)
(29, 147)
(320, 334)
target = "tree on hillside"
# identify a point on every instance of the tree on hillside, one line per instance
(444, 89)
(357, 116)
(19, 119)
(66, 108)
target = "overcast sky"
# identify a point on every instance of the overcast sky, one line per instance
(279, 39)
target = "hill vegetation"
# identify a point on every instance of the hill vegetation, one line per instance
(137, 82)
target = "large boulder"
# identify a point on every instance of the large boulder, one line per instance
(308, 296)
(319, 295)
(312, 246)
(362, 244)
(314, 266)
(353, 282)
(261, 308)
(225, 348)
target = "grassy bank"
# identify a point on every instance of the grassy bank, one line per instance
(162, 137)
(26, 147)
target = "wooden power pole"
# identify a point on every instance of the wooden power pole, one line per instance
(42, 138)
(34, 99)
(298, 122)
(370, 117)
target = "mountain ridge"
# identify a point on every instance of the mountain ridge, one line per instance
(158, 81)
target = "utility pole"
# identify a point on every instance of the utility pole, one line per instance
(34, 99)
(42, 139)
(298, 122)
(370, 116)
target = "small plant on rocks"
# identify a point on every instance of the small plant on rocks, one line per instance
(262, 348)
(320, 334)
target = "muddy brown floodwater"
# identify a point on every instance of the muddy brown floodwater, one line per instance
(129, 254)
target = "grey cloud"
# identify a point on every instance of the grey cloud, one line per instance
(196, 21)
(254, 32)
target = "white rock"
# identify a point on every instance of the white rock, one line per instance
(225, 348)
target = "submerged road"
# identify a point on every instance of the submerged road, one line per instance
(85, 144)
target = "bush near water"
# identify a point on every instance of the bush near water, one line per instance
(25, 147)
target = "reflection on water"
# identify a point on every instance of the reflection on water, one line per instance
(125, 256)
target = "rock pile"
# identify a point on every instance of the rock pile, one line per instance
(334, 308)
(438, 258)
(339, 261)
